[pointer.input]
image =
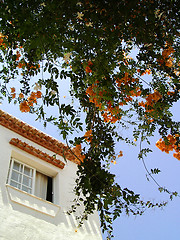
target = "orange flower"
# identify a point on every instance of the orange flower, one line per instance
(167, 52)
(88, 135)
(90, 63)
(30, 104)
(151, 99)
(98, 96)
(148, 71)
(112, 161)
(153, 96)
(38, 94)
(24, 106)
(2, 40)
(170, 93)
(32, 98)
(165, 57)
(13, 90)
(89, 91)
(177, 155)
(13, 95)
(21, 65)
(78, 152)
(169, 62)
(170, 146)
(17, 55)
(88, 69)
(120, 154)
(21, 95)
(167, 147)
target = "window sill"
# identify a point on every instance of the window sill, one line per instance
(32, 201)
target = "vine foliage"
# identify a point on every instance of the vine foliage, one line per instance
(105, 56)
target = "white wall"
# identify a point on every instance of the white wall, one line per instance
(25, 217)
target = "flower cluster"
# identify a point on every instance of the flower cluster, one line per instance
(21, 95)
(120, 154)
(166, 59)
(17, 55)
(88, 67)
(170, 146)
(147, 71)
(151, 99)
(13, 94)
(128, 87)
(2, 43)
(24, 64)
(26, 104)
(114, 157)
(109, 113)
(176, 155)
(88, 135)
(78, 153)
(113, 161)
(93, 96)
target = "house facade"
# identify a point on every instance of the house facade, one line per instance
(36, 186)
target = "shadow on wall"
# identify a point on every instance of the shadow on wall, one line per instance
(43, 212)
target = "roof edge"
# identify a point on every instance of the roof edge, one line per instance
(36, 136)
(36, 152)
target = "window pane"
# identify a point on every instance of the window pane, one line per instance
(22, 177)
(27, 181)
(14, 184)
(16, 166)
(26, 189)
(16, 176)
(27, 171)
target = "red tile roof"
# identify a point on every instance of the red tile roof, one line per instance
(36, 136)
(36, 152)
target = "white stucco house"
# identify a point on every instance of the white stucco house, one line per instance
(36, 186)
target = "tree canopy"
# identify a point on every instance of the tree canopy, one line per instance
(106, 49)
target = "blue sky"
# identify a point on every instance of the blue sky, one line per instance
(154, 224)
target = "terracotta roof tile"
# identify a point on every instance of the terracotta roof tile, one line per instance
(36, 152)
(36, 136)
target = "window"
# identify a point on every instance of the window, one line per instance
(29, 180)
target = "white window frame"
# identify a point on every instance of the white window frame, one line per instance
(30, 200)
(43, 167)
(23, 174)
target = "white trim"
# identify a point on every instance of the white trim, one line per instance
(35, 162)
(33, 202)
(34, 180)
(42, 167)
(19, 182)
(32, 177)
(10, 171)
